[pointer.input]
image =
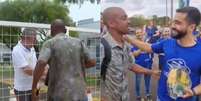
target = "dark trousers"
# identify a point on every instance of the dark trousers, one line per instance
(23, 95)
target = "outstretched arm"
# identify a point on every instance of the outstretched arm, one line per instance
(139, 69)
(38, 72)
(140, 44)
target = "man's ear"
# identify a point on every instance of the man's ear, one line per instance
(193, 27)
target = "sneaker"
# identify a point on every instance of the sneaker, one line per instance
(138, 98)
(148, 98)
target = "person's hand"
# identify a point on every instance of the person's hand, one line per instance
(156, 73)
(34, 96)
(187, 93)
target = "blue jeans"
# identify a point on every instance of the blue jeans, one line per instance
(147, 79)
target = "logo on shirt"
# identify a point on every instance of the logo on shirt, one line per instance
(178, 77)
(179, 64)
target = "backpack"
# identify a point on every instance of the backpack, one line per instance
(106, 59)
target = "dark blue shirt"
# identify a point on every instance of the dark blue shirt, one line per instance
(184, 57)
(195, 33)
(143, 59)
(151, 31)
(161, 56)
(198, 39)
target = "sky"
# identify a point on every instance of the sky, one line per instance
(132, 7)
(146, 7)
(85, 11)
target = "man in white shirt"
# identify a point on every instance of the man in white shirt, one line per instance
(24, 61)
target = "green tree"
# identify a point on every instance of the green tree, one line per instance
(37, 11)
(77, 1)
(137, 21)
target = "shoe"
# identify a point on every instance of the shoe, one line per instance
(148, 98)
(138, 98)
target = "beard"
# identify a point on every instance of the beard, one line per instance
(176, 34)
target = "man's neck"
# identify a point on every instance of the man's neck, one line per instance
(118, 37)
(187, 41)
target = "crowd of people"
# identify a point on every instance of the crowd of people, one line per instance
(177, 48)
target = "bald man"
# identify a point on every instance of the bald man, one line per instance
(114, 85)
(67, 58)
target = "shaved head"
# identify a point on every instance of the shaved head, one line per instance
(111, 13)
(115, 18)
(57, 26)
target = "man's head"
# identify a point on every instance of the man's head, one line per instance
(29, 37)
(185, 22)
(57, 26)
(116, 19)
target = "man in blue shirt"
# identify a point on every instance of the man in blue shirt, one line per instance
(181, 52)
(143, 59)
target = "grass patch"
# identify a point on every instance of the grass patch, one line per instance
(93, 81)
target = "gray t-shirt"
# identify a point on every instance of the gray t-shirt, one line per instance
(65, 56)
(115, 86)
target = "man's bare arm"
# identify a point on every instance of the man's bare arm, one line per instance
(38, 72)
(139, 69)
(140, 44)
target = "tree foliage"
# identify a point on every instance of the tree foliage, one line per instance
(77, 1)
(140, 20)
(37, 11)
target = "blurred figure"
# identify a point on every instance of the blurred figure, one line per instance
(184, 3)
(150, 32)
(164, 35)
(24, 61)
(143, 59)
(199, 37)
(67, 58)
(103, 28)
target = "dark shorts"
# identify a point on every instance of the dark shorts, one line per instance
(23, 95)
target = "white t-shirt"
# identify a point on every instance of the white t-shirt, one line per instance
(22, 57)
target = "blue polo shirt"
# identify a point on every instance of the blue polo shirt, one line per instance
(144, 59)
(183, 57)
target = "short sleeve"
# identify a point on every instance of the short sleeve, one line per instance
(45, 52)
(19, 60)
(158, 47)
